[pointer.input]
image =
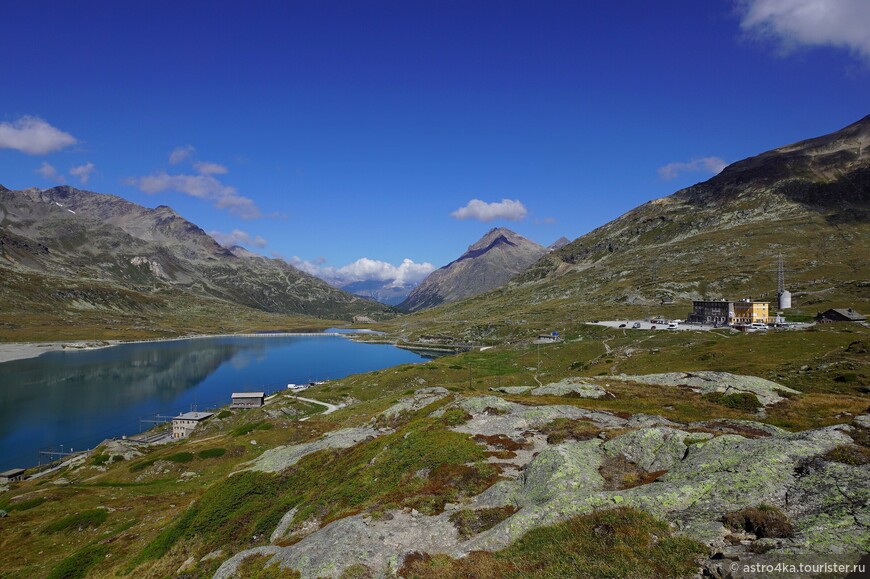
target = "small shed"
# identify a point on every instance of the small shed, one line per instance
(248, 399)
(183, 424)
(840, 315)
(12, 475)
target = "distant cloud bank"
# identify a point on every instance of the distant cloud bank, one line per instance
(791, 23)
(511, 209)
(712, 165)
(33, 136)
(365, 269)
(238, 237)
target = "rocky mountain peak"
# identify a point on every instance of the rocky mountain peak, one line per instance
(559, 243)
(487, 264)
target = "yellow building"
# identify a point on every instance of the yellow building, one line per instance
(746, 312)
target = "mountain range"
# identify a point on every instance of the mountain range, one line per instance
(64, 249)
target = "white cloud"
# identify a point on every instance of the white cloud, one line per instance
(843, 23)
(49, 172)
(365, 269)
(179, 154)
(713, 165)
(511, 209)
(205, 168)
(238, 237)
(83, 172)
(200, 186)
(33, 136)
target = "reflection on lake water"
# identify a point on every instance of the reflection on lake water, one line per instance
(80, 398)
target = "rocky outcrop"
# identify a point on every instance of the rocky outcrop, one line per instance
(571, 386)
(421, 398)
(706, 382)
(707, 476)
(653, 449)
(283, 457)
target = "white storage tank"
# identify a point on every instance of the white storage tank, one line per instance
(784, 300)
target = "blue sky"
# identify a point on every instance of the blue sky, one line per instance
(331, 131)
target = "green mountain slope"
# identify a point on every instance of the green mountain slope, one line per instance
(69, 250)
(809, 201)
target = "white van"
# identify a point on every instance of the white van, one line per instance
(757, 326)
(672, 325)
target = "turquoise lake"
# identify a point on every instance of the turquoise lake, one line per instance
(79, 398)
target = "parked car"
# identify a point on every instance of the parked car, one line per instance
(621, 325)
(635, 325)
(673, 325)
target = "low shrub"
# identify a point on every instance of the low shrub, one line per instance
(224, 414)
(764, 521)
(78, 521)
(562, 429)
(250, 427)
(211, 452)
(24, 505)
(745, 401)
(471, 522)
(849, 454)
(79, 563)
(179, 457)
(621, 542)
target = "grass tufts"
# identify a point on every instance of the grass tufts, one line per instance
(78, 521)
(764, 521)
(622, 542)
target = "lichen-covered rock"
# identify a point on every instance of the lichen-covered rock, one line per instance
(862, 420)
(492, 415)
(228, 569)
(706, 382)
(646, 420)
(573, 386)
(380, 544)
(512, 389)
(570, 467)
(282, 457)
(283, 525)
(479, 404)
(420, 399)
(724, 474)
(652, 449)
(830, 505)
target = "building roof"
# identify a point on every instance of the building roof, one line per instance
(848, 313)
(248, 394)
(12, 472)
(193, 416)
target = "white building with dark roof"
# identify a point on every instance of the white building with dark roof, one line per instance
(183, 424)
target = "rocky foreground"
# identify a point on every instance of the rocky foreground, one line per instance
(747, 490)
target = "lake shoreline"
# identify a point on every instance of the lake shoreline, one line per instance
(12, 351)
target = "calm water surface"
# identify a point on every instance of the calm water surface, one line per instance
(77, 399)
